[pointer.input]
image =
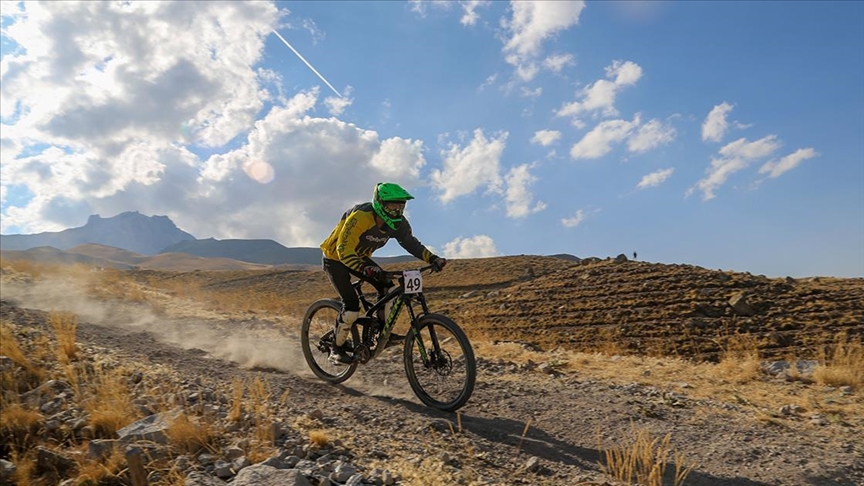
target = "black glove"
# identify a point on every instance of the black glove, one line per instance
(372, 272)
(438, 264)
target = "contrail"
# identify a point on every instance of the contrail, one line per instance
(307, 63)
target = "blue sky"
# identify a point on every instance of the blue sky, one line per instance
(721, 134)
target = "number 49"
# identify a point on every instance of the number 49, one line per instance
(413, 282)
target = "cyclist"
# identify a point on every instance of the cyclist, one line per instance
(347, 251)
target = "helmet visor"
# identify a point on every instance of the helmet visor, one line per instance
(394, 209)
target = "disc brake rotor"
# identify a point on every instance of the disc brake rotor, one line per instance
(441, 362)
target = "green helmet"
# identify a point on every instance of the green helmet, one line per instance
(385, 192)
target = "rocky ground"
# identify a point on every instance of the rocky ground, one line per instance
(543, 411)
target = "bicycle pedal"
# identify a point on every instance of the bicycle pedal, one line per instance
(339, 358)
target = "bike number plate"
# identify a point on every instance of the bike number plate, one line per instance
(413, 281)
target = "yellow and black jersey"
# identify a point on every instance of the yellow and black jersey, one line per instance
(357, 236)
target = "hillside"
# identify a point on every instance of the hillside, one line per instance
(52, 256)
(641, 307)
(102, 256)
(575, 361)
(266, 252)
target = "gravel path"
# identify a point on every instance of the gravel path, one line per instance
(523, 425)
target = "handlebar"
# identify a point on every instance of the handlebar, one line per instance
(398, 273)
(391, 275)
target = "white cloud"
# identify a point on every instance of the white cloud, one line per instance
(655, 178)
(531, 24)
(775, 168)
(289, 164)
(640, 138)
(599, 97)
(398, 159)
(301, 103)
(734, 157)
(649, 136)
(741, 148)
(574, 221)
(715, 125)
(469, 8)
(107, 116)
(598, 142)
(320, 168)
(336, 105)
(531, 93)
(419, 6)
(526, 71)
(103, 92)
(480, 246)
(470, 167)
(490, 80)
(556, 63)
(518, 198)
(546, 137)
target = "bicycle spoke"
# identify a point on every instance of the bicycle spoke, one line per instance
(443, 376)
(317, 337)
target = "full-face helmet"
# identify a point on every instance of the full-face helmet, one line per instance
(388, 202)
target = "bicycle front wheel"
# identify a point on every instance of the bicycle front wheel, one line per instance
(316, 338)
(440, 363)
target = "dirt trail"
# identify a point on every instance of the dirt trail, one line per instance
(567, 415)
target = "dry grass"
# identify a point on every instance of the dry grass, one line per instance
(122, 285)
(319, 438)
(30, 375)
(101, 471)
(737, 375)
(19, 425)
(25, 467)
(27, 267)
(729, 381)
(113, 284)
(65, 326)
(643, 460)
(109, 401)
(609, 343)
(191, 434)
(235, 413)
(260, 406)
(37, 270)
(842, 364)
(740, 361)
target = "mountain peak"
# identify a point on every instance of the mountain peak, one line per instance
(129, 230)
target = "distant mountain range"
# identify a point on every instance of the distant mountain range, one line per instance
(132, 239)
(110, 257)
(147, 235)
(267, 252)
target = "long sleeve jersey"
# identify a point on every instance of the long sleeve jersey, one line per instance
(357, 236)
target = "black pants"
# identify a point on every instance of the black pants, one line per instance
(340, 278)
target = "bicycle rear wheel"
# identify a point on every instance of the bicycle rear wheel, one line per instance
(316, 338)
(440, 363)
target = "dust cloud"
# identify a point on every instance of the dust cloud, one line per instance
(252, 344)
(256, 344)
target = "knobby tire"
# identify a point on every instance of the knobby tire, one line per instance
(457, 364)
(319, 319)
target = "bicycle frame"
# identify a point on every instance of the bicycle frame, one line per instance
(441, 373)
(401, 299)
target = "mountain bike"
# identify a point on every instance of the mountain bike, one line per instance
(438, 357)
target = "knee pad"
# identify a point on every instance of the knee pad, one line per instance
(348, 317)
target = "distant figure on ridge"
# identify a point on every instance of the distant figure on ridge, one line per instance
(634, 255)
(348, 250)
